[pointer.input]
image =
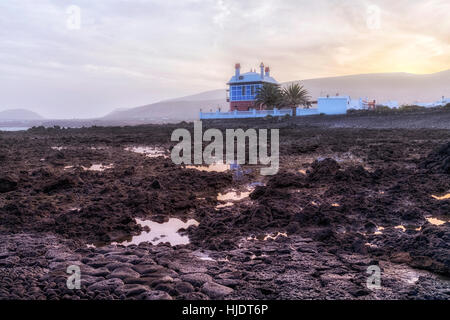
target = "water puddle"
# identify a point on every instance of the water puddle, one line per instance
(161, 232)
(267, 236)
(335, 204)
(215, 167)
(97, 167)
(403, 273)
(233, 195)
(225, 205)
(202, 256)
(400, 227)
(435, 221)
(59, 148)
(151, 152)
(444, 197)
(379, 231)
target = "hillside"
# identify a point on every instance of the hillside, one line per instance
(403, 87)
(19, 115)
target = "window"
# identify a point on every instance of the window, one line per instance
(253, 90)
(243, 90)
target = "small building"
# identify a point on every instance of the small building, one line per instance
(440, 103)
(333, 105)
(242, 88)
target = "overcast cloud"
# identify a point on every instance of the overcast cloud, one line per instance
(135, 52)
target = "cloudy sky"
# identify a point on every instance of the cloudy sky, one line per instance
(84, 58)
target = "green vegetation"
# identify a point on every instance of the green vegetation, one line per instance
(272, 96)
(269, 97)
(403, 109)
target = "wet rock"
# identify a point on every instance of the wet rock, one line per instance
(161, 280)
(122, 273)
(155, 295)
(401, 257)
(215, 290)
(196, 279)
(134, 289)
(148, 268)
(167, 287)
(194, 296)
(184, 287)
(10, 261)
(106, 285)
(99, 272)
(114, 265)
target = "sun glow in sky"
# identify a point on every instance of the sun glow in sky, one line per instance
(83, 58)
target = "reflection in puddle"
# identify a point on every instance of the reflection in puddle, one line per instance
(151, 152)
(162, 232)
(403, 273)
(202, 256)
(436, 221)
(400, 227)
(379, 230)
(444, 197)
(233, 196)
(271, 236)
(215, 167)
(335, 204)
(224, 205)
(98, 167)
(59, 148)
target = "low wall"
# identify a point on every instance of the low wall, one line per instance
(245, 114)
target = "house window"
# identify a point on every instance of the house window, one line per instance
(243, 90)
(253, 90)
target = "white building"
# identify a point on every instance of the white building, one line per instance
(438, 103)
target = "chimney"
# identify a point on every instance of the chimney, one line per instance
(237, 66)
(267, 72)
(262, 70)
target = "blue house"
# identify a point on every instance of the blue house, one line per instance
(244, 87)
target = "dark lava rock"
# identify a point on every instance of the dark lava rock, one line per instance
(59, 184)
(438, 160)
(184, 287)
(196, 279)
(324, 169)
(8, 183)
(215, 290)
(155, 184)
(106, 285)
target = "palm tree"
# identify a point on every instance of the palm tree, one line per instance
(295, 95)
(268, 96)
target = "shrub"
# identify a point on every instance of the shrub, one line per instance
(411, 108)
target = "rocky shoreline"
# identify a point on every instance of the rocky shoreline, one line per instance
(343, 200)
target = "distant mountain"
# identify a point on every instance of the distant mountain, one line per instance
(168, 111)
(405, 88)
(19, 115)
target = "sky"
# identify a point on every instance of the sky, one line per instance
(84, 58)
